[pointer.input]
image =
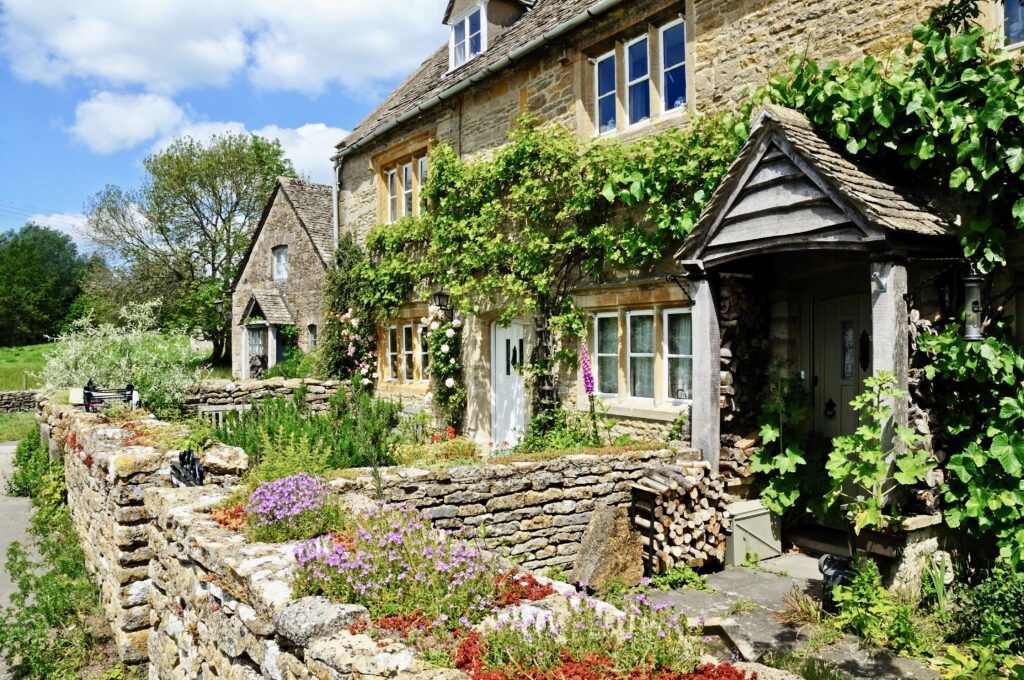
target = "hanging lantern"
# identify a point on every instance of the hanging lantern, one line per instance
(972, 307)
(443, 301)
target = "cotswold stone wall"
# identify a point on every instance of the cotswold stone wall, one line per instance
(21, 401)
(535, 512)
(225, 394)
(107, 473)
(222, 607)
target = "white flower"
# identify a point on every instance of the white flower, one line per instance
(457, 323)
(445, 348)
(434, 325)
(376, 374)
(366, 381)
(450, 333)
(428, 397)
(452, 361)
(364, 370)
(432, 310)
(449, 383)
(355, 323)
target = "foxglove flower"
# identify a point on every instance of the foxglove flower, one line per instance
(588, 371)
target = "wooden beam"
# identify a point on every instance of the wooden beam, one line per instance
(705, 419)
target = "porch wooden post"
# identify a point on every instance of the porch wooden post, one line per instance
(889, 345)
(705, 420)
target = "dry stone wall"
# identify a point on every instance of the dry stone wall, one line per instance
(535, 512)
(227, 394)
(107, 473)
(20, 401)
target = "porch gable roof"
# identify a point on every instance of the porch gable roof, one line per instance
(272, 306)
(790, 189)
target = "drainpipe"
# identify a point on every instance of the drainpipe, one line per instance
(335, 191)
(594, 10)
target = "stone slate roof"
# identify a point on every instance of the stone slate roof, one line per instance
(313, 204)
(432, 77)
(451, 6)
(882, 203)
(275, 309)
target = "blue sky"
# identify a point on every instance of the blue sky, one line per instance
(88, 89)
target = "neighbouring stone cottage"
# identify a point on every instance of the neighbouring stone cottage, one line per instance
(280, 281)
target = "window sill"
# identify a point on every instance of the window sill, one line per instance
(637, 407)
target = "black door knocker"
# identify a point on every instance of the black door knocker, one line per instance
(830, 409)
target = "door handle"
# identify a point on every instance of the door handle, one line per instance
(830, 409)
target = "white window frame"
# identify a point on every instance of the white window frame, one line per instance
(596, 363)
(393, 367)
(631, 83)
(630, 354)
(424, 355)
(614, 94)
(391, 188)
(665, 68)
(667, 356)
(408, 354)
(408, 204)
(464, 19)
(279, 254)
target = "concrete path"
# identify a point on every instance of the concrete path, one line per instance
(747, 600)
(14, 519)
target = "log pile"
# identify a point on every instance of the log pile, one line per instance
(682, 516)
(734, 456)
(744, 317)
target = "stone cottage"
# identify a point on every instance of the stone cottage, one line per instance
(614, 70)
(280, 282)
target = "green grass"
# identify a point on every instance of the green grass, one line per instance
(16, 426)
(16, 361)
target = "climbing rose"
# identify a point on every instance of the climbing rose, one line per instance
(449, 383)
(588, 371)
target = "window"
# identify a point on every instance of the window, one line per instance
(408, 353)
(679, 353)
(606, 343)
(641, 354)
(604, 82)
(312, 336)
(467, 38)
(280, 263)
(393, 353)
(392, 183)
(673, 65)
(424, 355)
(407, 189)
(1013, 21)
(422, 170)
(639, 80)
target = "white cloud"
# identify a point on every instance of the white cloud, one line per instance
(309, 147)
(72, 224)
(170, 45)
(109, 122)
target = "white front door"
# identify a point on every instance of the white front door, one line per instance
(843, 350)
(508, 385)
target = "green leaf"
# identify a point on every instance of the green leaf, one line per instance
(1009, 452)
(958, 177)
(1015, 158)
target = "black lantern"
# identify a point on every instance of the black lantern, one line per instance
(443, 301)
(218, 304)
(972, 307)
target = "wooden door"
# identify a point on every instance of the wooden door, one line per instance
(842, 360)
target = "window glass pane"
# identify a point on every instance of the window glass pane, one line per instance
(679, 377)
(460, 32)
(407, 352)
(675, 45)
(606, 76)
(312, 337)
(606, 114)
(675, 87)
(608, 335)
(424, 355)
(641, 334)
(474, 45)
(423, 171)
(639, 101)
(679, 334)
(608, 374)
(638, 59)
(460, 53)
(393, 353)
(641, 379)
(474, 22)
(1013, 25)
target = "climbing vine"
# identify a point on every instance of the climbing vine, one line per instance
(444, 344)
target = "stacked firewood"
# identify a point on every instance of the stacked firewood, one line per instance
(682, 516)
(734, 456)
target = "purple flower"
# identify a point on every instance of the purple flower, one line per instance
(286, 499)
(588, 371)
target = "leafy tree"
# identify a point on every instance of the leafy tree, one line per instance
(40, 271)
(184, 231)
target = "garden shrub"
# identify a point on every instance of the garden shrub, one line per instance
(396, 563)
(557, 429)
(290, 508)
(991, 613)
(32, 466)
(680, 576)
(160, 363)
(872, 612)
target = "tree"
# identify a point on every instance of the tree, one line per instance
(184, 231)
(40, 271)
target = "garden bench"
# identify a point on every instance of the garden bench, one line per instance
(95, 398)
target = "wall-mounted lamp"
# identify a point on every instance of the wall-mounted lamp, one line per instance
(972, 306)
(443, 301)
(218, 304)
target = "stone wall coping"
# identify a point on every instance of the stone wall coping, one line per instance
(229, 386)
